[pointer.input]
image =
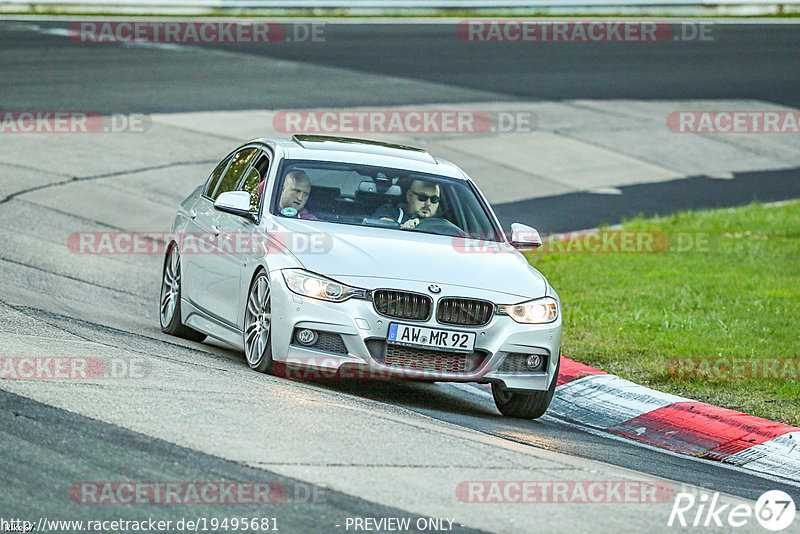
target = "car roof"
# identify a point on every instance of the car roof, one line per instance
(364, 151)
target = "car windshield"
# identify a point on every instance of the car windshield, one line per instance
(364, 195)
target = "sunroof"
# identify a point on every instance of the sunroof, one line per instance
(307, 138)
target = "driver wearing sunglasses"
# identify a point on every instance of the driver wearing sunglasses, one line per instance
(422, 202)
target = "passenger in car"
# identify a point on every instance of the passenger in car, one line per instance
(296, 189)
(422, 201)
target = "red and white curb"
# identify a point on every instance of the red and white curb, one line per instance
(607, 402)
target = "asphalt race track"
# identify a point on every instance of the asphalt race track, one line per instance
(753, 61)
(341, 449)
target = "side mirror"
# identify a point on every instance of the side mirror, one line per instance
(236, 202)
(524, 237)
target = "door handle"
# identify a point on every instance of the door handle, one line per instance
(215, 229)
(192, 214)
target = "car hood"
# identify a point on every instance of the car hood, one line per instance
(359, 255)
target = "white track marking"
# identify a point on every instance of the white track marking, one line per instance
(477, 390)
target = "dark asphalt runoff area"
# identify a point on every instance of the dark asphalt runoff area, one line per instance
(579, 211)
(747, 61)
(45, 450)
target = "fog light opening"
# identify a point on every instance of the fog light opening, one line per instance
(533, 362)
(306, 337)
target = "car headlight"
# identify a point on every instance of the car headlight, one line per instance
(544, 310)
(318, 287)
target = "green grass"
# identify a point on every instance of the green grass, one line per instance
(738, 297)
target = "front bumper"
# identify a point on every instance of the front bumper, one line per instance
(362, 350)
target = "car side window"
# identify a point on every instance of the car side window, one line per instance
(253, 182)
(213, 180)
(232, 177)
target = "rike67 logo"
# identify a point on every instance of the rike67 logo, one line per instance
(774, 510)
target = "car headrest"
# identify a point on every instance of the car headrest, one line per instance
(323, 197)
(368, 186)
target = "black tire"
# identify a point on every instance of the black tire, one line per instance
(524, 405)
(170, 318)
(257, 331)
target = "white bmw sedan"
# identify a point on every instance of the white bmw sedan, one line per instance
(336, 257)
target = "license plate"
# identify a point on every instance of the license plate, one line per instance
(430, 338)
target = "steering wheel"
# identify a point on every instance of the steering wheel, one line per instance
(439, 226)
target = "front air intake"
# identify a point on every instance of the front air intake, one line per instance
(402, 304)
(464, 312)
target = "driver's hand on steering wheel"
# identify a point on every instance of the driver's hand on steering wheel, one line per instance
(411, 223)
